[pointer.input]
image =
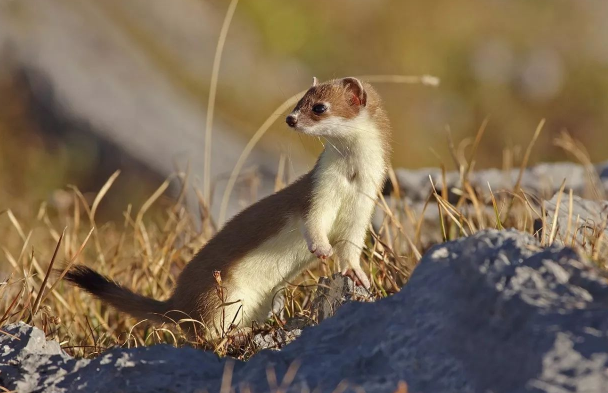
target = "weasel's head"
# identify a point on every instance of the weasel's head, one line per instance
(330, 109)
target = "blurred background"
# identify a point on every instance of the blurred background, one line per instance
(89, 87)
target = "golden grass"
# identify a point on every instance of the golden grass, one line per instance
(148, 249)
(144, 253)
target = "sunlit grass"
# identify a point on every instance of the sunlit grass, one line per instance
(148, 249)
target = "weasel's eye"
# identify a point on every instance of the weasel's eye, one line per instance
(319, 108)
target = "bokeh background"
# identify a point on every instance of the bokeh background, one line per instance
(89, 87)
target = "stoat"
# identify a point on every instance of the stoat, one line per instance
(325, 212)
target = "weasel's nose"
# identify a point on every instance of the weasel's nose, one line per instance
(291, 120)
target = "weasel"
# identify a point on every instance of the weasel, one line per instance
(325, 212)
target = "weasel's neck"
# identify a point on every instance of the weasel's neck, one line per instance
(357, 151)
(362, 155)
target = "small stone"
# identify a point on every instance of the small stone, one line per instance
(333, 292)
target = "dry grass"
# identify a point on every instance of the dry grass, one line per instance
(145, 252)
(148, 249)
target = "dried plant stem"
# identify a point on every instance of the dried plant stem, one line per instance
(217, 60)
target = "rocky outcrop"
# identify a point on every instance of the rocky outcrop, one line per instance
(540, 183)
(576, 221)
(542, 180)
(491, 312)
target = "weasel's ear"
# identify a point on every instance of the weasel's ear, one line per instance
(354, 86)
(314, 81)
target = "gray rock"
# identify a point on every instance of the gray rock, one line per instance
(276, 339)
(543, 180)
(333, 292)
(30, 364)
(24, 354)
(540, 182)
(581, 220)
(493, 312)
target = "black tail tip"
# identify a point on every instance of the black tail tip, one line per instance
(88, 279)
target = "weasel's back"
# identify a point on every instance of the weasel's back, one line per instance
(245, 232)
(251, 227)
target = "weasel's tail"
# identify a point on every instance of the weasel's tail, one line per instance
(116, 295)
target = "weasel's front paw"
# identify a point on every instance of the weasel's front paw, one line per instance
(322, 251)
(358, 276)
